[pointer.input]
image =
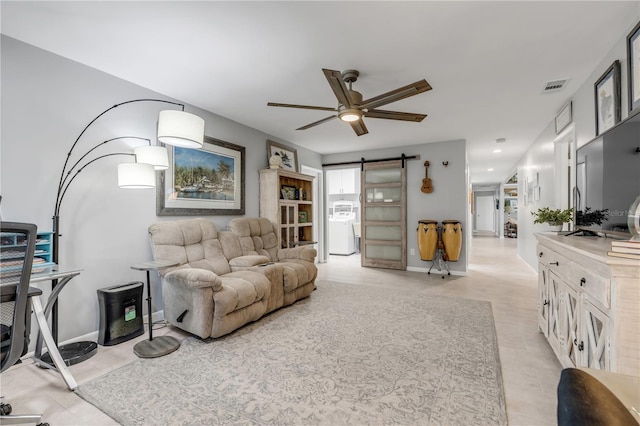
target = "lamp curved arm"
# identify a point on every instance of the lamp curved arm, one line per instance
(64, 167)
(66, 187)
(64, 180)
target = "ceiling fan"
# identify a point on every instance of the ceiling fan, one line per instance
(351, 108)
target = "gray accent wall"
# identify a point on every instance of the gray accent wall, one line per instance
(449, 199)
(46, 102)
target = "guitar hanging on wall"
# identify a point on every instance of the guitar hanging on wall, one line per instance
(427, 186)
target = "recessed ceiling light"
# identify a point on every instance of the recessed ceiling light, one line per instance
(497, 150)
(501, 140)
(489, 170)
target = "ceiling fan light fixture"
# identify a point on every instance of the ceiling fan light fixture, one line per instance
(350, 114)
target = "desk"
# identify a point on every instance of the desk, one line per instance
(71, 353)
(57, 362)
(161, 345)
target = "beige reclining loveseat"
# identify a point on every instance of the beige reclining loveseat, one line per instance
(257, 236)
(204, 294)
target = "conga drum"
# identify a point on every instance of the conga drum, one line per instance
(427, 238)
(452, 239)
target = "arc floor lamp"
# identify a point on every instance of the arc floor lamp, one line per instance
(175, 127)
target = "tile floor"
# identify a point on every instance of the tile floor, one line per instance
(530, 370)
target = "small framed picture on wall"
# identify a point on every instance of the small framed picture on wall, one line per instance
(607, 98)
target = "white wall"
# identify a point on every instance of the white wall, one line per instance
(540, 157)
(46, 102)
(449, 199)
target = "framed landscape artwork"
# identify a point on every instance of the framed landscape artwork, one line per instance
(206, 181)
(633, 59)
(288, 155)
(607, 98)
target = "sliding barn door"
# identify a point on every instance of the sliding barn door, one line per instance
(384, 218)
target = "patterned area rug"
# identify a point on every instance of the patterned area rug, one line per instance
(347, 355)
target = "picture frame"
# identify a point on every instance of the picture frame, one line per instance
(529, 185)
(564, 117)
(633, 61)
(607, 98)
(288, 192)
(302, 217)
(288, 155)
(203, 182)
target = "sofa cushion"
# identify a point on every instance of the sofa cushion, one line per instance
(190, 241)
(239, 290)
(256, 236)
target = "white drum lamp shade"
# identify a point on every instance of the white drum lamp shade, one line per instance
(136, 176)
(179, 128)
(154, 155)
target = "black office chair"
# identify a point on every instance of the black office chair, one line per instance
(17, 245)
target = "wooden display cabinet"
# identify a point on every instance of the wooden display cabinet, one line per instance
(286, 200)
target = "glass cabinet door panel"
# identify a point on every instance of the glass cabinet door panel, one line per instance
(375, 251)
(383, 176)
(292, 214)
(387, 233)
(386, 214)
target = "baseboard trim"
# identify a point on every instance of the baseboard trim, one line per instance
(91, 337)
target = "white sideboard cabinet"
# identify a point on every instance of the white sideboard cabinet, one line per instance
(589, 303)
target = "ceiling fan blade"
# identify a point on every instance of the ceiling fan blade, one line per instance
(396, 95)
(359, 127)
(275, 104)
(339, 88)
(394, 115)
(315, 123)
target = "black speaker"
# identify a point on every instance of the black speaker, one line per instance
(120, 313)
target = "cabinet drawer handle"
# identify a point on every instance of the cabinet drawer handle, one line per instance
(546, 302)
(555, 263)
(540, 254)
(583, 281)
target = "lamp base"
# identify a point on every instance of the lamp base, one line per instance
(73, 353)
(159, 346)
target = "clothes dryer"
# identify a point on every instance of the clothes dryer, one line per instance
(341, 237)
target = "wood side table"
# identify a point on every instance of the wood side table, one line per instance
(161, 345)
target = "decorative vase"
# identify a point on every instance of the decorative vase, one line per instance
(555, 227)
(275, 162)
(633, 219)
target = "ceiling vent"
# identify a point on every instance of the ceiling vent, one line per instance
(555, 86)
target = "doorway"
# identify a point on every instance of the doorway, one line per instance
(318, 208)
(484, 213)
(343, 211)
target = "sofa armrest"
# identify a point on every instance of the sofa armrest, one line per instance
(248, 261)
(585, 400)
(194, 278)
(307, 253)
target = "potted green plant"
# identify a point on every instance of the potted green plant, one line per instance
(555, 218)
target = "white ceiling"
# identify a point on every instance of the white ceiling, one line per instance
(486, 61)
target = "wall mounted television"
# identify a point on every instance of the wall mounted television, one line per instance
(608, 179)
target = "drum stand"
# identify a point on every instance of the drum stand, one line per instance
(440, 261)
